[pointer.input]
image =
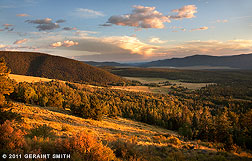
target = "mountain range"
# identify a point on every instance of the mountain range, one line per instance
(243, 61)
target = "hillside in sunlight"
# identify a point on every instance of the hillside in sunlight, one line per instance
(129, 140)
(55, 67)
(88, 122)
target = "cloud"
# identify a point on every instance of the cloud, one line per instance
(40, 21)
(157, 40)
(83, 33)
(7, 26)
(69, 43)
(60, 21)
(126, 48)
(66, 43)
(2, 46)
(222, 21)
(184, 12)
(211, 47)
(176, 27)
(201, 28)
(132, 44)
(142, 17)
(106, 24)
(149, 17)
(69, 28)
(56, 44)
(20, 41)
(131, 49)
(22, 15)
(44, 24)
(87, 13)
(18, 48)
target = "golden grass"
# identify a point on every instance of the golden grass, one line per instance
(114, 128)
(147, 80)
(23, 78)
(133, 88)
(64, 125)
(191, 86)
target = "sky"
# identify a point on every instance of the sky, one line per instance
(127, 30)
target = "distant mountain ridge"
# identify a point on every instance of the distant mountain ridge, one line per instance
(94, 63)
(55, 67)
(243, 61)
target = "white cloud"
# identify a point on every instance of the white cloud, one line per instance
(157, 40)
(2, 46)
(66, 43)
(142, 17)
(132, 44)
(185, 12)
(222, 21)
(69, 43)
(56, 44)
(20, 41)
(212, 47)
(87, 13)
(149, 17)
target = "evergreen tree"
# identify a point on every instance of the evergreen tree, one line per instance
(222, 130)
(5, 83)
(195, 125)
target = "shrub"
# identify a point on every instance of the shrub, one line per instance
(42, 131)
(178, 156)
(65, 127)
(11, 139)
(84, 146)
(126, 150)
(186, 131)
(174, 140)
(8, 115)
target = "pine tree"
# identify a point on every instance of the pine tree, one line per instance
(222, 130)
(5, 83)
(195, 125)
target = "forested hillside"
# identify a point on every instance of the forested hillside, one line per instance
(55, 67)
(211, 114)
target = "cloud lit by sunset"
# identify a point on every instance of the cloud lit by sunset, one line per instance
(161, 29)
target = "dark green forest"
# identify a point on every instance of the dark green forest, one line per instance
(56, 67)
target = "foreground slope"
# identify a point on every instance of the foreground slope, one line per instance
(55, 67)
(149, 142)
(127, 139)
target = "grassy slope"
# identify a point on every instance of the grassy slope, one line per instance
(109, 130)
(29, 79)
